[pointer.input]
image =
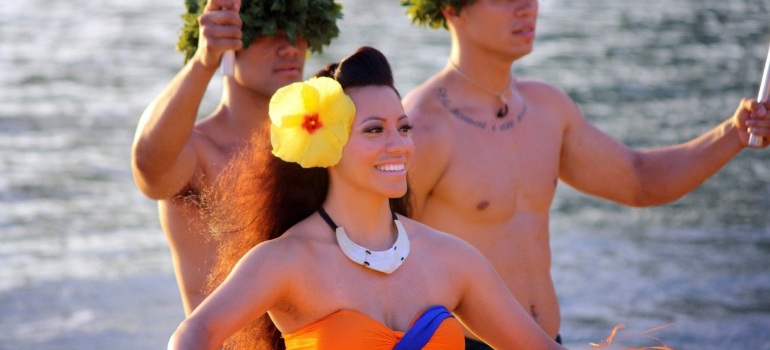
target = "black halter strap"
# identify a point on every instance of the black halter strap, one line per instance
(326, 218)
(331, 223)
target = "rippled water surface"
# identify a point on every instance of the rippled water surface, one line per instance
(84, 264)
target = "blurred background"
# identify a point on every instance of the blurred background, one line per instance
(84, 263)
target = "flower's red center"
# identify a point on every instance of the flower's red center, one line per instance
(311, 123)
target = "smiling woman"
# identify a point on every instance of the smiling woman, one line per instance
(318, 251)
(380, 144)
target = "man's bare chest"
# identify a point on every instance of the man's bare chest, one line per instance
(500, 174)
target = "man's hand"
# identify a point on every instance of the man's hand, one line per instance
(220, 30)
(753, 117)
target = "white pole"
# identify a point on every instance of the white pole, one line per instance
(228, 62)
(754, 140)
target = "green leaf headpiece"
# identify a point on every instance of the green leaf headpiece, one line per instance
(428, 12)
(314, 20)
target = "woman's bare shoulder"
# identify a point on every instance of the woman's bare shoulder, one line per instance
(299, 240)
(449, 245)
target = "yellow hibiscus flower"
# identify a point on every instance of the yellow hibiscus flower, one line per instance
(311, 122)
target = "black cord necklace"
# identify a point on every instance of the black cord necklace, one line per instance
(503, 111)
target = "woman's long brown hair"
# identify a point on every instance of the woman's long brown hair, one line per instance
(259, 196)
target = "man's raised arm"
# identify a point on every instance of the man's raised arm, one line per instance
(164, 158)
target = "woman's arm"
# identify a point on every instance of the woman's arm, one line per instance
(491, 312)
(254, 286)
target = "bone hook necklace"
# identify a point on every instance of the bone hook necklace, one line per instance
(503, 111)
(385, 261)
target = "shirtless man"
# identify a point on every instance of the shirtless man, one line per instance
(175, 158)
(490, 147)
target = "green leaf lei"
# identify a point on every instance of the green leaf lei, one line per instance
(314, 20)
(428, 12)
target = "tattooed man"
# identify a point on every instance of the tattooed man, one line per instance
(490, 148)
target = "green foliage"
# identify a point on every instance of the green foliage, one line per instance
(188, 37)
(428, 12)
(314, 20)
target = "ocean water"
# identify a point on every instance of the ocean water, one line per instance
(84, 264)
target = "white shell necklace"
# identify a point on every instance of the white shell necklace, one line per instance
(385, 261)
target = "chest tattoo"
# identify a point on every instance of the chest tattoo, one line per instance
(502, 125)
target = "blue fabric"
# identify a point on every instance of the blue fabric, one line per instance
(422, 330)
